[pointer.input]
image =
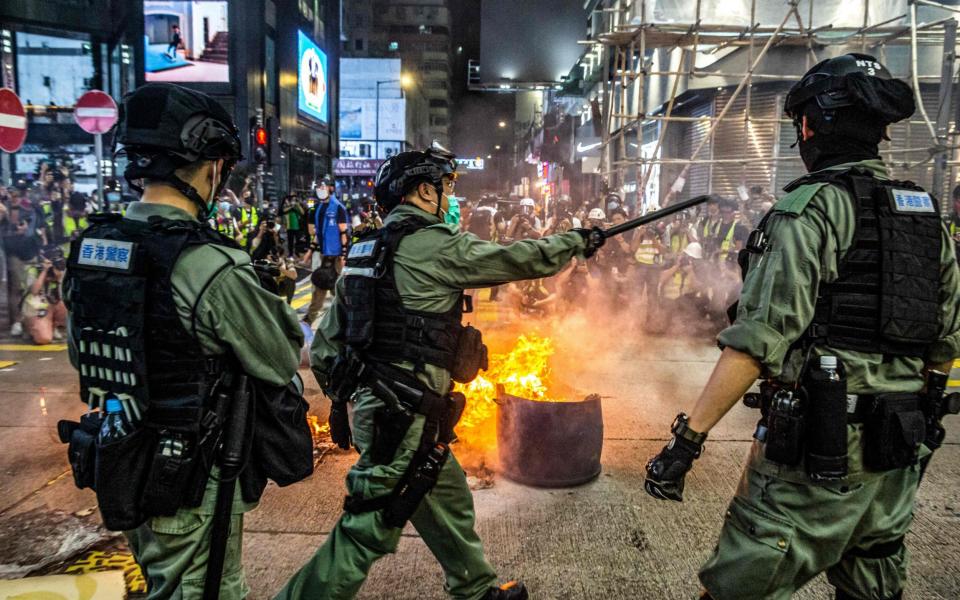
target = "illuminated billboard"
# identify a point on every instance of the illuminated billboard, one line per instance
(186, 41)
(312, 96)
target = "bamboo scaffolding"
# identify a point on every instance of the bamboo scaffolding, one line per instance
(625, 47)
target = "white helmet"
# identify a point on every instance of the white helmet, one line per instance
(694, 250)
(596, 214)
(528, 202)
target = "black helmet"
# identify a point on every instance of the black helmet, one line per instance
(164, 127)
(398, 174)
(857, 81)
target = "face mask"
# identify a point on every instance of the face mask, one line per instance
(323, 193)
(225, 206)
(113, 196)
(214, 184)
(452, 215)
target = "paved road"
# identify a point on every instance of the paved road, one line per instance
(606, 539)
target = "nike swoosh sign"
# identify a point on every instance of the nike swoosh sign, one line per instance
(582, 148)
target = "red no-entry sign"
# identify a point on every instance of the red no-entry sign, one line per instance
(13, 121)
(96, 112)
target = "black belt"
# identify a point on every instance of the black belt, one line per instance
(402, 390)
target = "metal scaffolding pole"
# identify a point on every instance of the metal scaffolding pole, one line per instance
(945, 101)
(914, 68)
(736, 92)
(628, 42)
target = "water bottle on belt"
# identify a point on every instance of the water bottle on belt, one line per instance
(114, 426)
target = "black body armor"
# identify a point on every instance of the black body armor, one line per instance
(886, 297)
(381, 330)
(131, 338)
(133, 349)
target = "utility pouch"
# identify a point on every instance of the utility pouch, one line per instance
(175, 459)
(82, 447)
(471, 355)
(785, 425)
(123, 467)
(389, 429)
(282, 441)
(893, 433)
(424, 473)
(826, 439)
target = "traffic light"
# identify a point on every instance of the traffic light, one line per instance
(260, 146)
(259, 142)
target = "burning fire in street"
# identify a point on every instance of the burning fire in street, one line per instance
(317, 428)
(524, 371)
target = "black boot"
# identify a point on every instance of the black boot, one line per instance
(512, 590)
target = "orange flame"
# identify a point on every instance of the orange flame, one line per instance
(318, 429)
(524, 371)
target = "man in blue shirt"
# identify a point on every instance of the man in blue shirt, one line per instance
(330, 229)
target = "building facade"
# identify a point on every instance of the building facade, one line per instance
(272, 62)
(418, 32)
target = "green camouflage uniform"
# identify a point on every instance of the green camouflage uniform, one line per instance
(173, 550)
(432, 267)
(781, 529)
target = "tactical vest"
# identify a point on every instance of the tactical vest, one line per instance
(647, 253)
(886, 297)
(727, 241)
(377, 326)
(131, 340)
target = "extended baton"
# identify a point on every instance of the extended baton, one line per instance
(655, 215)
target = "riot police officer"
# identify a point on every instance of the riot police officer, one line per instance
(391, 346)
(851, 300)
(160, 312)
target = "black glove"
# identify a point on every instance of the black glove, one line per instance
(593, 238)
(340, 425)
(666, 471)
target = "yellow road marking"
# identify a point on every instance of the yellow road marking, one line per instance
(106, 561)
(953, 383)
(299, 303)
(956, 364)
(33, 348)
(7, 363)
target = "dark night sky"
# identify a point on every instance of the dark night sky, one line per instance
(530, 40)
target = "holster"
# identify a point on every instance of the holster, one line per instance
(404, 396)
(82, 447)
(893, 432)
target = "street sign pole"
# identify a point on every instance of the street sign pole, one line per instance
(98, 147)
(96, 113)
(259, 190)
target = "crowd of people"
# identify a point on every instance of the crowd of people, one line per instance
(680, 269)
(38, 220)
